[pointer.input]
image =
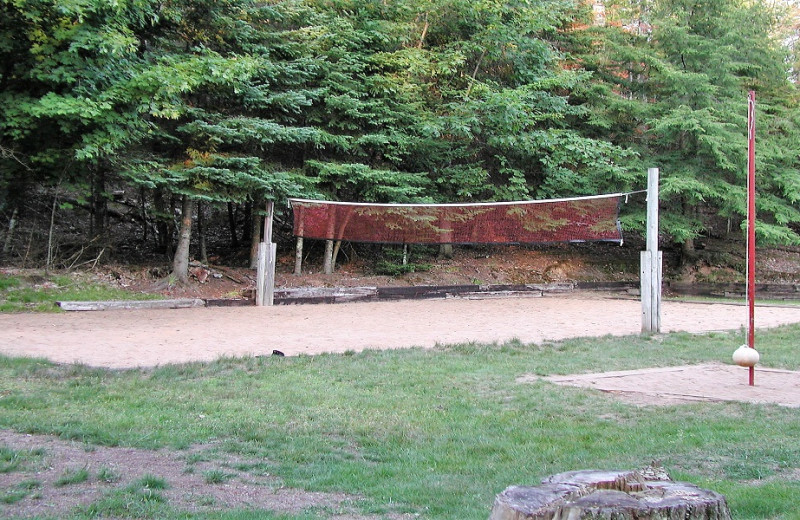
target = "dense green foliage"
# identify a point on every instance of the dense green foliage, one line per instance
(435, 433)
(237, 102)
(672, 86)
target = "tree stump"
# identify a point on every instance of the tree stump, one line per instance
(647, 494)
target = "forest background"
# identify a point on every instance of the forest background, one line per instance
(169, 116)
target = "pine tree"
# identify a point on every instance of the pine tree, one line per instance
(670, 82)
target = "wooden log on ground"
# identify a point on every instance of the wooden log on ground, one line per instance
(423, 291)
(230, 302)
(130, 304)
(618, 495)
(324, 295)
(351, 294)
(488, 295)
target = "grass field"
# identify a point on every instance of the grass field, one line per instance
(39, 292)
(435, 433)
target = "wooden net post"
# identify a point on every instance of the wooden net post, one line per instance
(651, 259)
(327, 264)
(298, 257)
(267, 253)
(298, 251)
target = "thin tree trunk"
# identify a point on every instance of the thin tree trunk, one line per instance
(100, 203)
(298, 257)
(475, 72)
(255, 238)
(143, 199)
(12, 224)
(248, 215)
(172, 232)
(180, 263)
(162, 237)
(201, 233)
(688, 251)
(336, 247)
(424, 32)
(49, 260)
(232, 226)
(327, 264)
(92, 217)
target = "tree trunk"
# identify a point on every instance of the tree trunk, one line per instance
(171, 226)
(336, 247)
(621, 495)
(327, 263)
(163, 235)
(99, 203)
(232, 226)
(143, 201)
(246, 232)
(255, 238)
(180, 263)
(201, 233)
(424, 32)
(49, 261)
(298, 257)
(446, 251)
(12, 224)
(688, 252)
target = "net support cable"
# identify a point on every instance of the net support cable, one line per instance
(579, 219)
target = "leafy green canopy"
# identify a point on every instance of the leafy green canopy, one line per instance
(670, 82)
(469, 95)
(416, 100)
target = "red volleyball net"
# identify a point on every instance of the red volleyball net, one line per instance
(579, 219)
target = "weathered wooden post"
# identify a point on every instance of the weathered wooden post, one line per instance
(327, 264)
(650, 261)
(298, 252)
(298, 257)
(267, 254)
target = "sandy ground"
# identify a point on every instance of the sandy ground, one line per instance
(145, 338)
(712, 382)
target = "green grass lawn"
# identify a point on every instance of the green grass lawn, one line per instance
(430, 432)
(39, 292)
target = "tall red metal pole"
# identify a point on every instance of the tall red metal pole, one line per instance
(751, 222)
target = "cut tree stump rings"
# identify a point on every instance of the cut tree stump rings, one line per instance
(647, 494)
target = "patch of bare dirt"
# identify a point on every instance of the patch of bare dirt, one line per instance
(199, 479)
(711, 382)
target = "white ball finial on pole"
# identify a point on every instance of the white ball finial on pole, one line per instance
(746, 356)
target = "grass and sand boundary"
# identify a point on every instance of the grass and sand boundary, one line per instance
(428, 432)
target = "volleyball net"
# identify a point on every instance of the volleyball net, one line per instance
(580, 219)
